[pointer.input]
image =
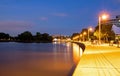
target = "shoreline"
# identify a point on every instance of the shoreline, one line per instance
(26, 41)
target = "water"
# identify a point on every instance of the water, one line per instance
(38, 59)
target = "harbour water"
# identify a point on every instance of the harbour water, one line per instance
(38, 59)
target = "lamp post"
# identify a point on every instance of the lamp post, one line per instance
(89, 29)
(99, 24)
(101, 17)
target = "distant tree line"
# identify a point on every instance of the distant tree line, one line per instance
(4, 37)
(27, 37)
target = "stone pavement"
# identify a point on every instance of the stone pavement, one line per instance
(99, 61)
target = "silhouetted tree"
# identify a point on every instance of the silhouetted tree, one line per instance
(25, 37)
(4, 36)
(46, 38)
(38, 37)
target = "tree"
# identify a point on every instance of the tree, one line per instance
(84, 33)
(46, 37)
(43, 37)
(38, 37)
(106, 32)
(74, 34)
(25, 37)
(4, 36)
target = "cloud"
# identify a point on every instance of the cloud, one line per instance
(44, 18)
(117, 1)
(14, 26)
(60, 14)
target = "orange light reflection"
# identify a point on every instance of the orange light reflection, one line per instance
(77, 53)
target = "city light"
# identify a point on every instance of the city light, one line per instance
(104, 16)
(80, 35)
(84, 33)
(89, 29)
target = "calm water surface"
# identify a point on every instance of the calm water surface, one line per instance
(38, 59)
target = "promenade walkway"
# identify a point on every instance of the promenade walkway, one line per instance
(99, 61)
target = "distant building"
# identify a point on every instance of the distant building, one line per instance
(61, 38)
(116, 30)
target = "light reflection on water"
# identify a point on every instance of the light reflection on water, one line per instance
(77, 53)
(32, 59)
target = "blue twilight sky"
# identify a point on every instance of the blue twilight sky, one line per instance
(53, 16)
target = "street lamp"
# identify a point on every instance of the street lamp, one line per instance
(101, 17)
(89, 29)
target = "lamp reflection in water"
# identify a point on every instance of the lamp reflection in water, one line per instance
(77, 53)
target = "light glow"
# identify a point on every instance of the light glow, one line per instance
(90, 29)
(84, 33)
(104, 17)
(80, 35)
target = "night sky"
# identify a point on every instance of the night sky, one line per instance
(53, 16)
